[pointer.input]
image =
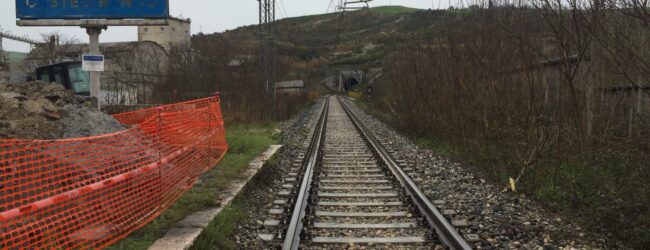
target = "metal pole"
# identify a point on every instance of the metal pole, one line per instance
(2, 54)
(272, 75)
(340, 87)
(95, 81)
(267, 50)
(260, 9)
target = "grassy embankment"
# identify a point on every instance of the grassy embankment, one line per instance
(245, 142)
(220, 231)
(393, 9)
(571, 188)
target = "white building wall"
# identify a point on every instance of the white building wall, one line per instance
(177, 33)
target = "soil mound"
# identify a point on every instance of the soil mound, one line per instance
(39, 110)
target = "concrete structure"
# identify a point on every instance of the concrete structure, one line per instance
(132, 68)
(290, 87)
(185, 232)
(345, 79)
(176, 33)
(349, 78)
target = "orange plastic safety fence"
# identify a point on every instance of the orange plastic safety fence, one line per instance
(90, 192)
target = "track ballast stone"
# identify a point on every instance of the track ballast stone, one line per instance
(293, 133)
(354, 223)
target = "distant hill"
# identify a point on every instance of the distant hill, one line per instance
(15, 57)
(393, 9)
(329, 42)
(314, 48)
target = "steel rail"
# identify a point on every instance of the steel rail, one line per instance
(436, 220)
(292, 238)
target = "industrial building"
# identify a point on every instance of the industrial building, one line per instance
(176, 33)
(132, 69)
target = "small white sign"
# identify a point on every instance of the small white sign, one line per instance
(92, 63)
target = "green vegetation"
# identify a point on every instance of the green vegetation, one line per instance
(246, 142)
(15, 57)
(581, 188)
(309, 43)
(466, 92)
(218, 235)
(393, 10)
(599, 188)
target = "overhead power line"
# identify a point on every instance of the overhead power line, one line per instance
(283, 9)
(329, 6)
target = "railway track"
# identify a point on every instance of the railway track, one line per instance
(347, 190)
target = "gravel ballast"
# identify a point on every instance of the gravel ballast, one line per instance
(294, 133)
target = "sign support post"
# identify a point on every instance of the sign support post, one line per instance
(95, 77)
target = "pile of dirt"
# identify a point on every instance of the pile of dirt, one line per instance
(80, 121)
(39, 110)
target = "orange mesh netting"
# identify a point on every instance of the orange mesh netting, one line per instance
(90, 192)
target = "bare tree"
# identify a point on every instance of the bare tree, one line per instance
(547, 92)
(54, 49)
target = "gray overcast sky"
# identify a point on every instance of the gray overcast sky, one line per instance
(207, 15)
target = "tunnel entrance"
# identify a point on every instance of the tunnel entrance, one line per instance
(349, 83)
(348, 80)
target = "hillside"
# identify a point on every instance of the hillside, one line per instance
(319, 45)
(15, 57)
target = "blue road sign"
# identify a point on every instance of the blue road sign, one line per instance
(92, 9)
(93, 58)
(92, 63)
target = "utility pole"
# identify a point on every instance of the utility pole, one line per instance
(2, 59)
(3, 63)
(2, 52)
(267, 50)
